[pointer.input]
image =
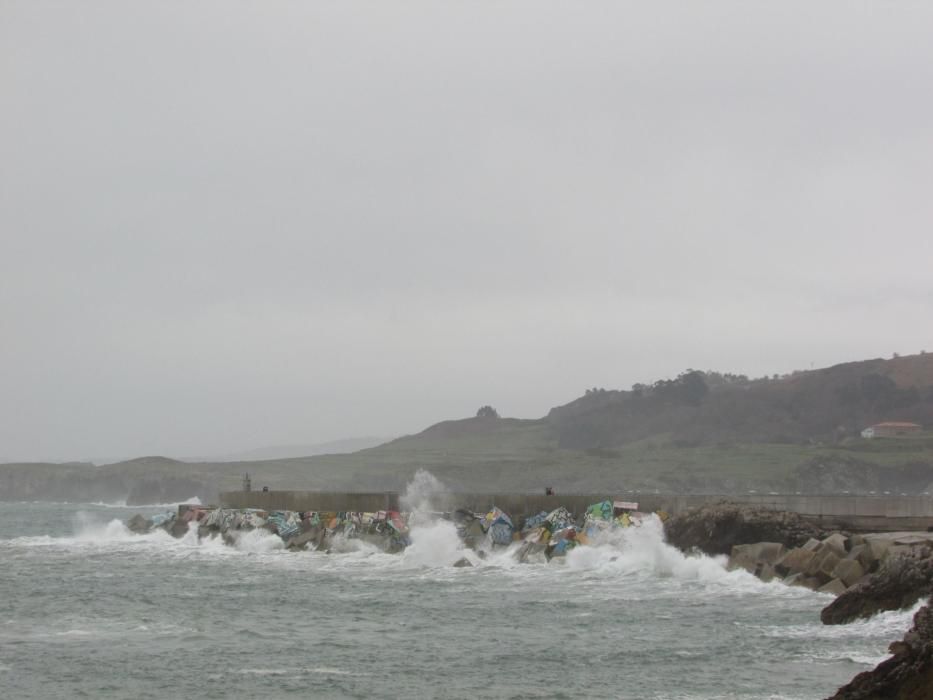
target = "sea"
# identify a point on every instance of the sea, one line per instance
(90, 610)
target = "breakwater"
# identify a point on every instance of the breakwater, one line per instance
(883, 513)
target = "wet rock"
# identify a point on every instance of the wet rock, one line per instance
(899, 583)
(138, 524)
(179, 528)
(717, 528)
(463, 563)
(908, 675)
(474, 535)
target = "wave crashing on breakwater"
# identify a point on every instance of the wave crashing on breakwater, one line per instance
(625, 601)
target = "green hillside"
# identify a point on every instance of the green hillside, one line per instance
(700, 432)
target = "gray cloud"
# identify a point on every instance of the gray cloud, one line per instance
(230, 225)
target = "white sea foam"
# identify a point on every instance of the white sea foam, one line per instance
(890, 624)
(341, 544)
(257, 541)
(419, 495)
(642, 549)
(433, 545)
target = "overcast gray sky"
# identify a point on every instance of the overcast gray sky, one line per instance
(234, 224)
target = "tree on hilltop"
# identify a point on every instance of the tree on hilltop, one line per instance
(487, 412)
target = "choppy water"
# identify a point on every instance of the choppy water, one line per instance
(88, 609)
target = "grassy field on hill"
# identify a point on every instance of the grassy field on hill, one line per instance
(698, 433)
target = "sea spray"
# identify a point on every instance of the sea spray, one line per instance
(434, 542)
(642, 549)
(421, 492)
(257, 541)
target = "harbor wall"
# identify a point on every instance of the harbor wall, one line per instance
(860, 513)
(311, 500)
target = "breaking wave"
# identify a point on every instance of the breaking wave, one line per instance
(624, 553)
(435, 544)
(642, 550)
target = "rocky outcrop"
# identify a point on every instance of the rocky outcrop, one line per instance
(908, 675)
(903, 578)
(717, 528)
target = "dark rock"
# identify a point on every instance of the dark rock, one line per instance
(179, 528)
(908, 675)
(717, 528)
(463, 563)
(138, 524)
(899, 583)
(473, 534)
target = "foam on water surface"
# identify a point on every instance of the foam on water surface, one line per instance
(629, 612)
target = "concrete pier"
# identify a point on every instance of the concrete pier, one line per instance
(855, 513)
(335, 501)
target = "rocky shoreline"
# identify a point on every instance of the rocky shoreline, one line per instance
(868, 573)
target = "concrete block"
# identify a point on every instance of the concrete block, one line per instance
(751, 556)
(848, 571)
(814, 582)
(837, 543)
(836, 587)
(822, 563)
(766, 572)
(829, 563)
(795, 561)
(862, 554)
(879, 545)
